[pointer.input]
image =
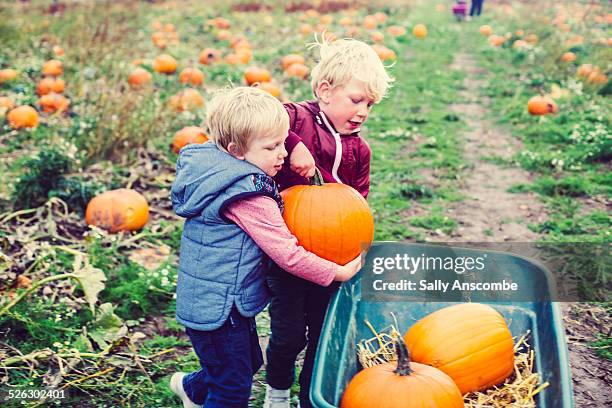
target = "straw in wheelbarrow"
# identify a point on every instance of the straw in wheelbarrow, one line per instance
(518, 390)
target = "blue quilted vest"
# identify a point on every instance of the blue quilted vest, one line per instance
(219, 264)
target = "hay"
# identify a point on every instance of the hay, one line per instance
(518, 391)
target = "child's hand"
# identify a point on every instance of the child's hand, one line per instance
(346, 272)
(301, 161)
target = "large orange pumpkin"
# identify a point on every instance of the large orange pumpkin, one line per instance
(192, 76)
(541, 105)
(332, 220)
(401, 384)
(419, 31)
(256, 74)
(165, 64)
(188, 135)
(470, 342)
(139, 77)
(23, 117)
(118, 210)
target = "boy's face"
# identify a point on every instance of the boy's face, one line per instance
(347, 106)
(266, 152)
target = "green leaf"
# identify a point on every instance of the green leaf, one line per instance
(90, 278)
(108, 327)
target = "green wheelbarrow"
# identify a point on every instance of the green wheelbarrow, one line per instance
(336, 360)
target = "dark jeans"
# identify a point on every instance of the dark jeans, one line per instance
(229, 357)
(476, 7)
(297, 311)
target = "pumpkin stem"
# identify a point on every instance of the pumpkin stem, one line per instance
(317, 179)
(403, 358)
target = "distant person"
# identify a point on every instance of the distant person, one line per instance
(476, 7)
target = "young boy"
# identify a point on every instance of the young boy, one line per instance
(346, 82)
(225, 191)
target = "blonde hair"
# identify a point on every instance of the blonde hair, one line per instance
(345, 59)
(239, 115)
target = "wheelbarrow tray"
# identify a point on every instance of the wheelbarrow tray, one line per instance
(336, 360)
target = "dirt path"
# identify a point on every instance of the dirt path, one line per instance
(489, 213)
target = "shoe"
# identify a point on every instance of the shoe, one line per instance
(276, 398)
(176, 385)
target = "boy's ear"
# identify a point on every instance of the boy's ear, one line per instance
(323, 90)
(235, 151)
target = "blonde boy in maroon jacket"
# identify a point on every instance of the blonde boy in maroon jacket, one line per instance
(348, 80)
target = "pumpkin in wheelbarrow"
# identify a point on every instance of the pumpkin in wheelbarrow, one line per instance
(470, 342)
(332, 220)
(401, 384)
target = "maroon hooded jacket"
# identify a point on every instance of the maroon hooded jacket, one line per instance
(340, 158)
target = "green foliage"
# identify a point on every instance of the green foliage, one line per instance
(44, 173)
(435, 222)
(76, 192)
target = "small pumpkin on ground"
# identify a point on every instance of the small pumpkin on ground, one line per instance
(470, 342)
(541, 105)
(53, 68)
(270, 88)
(118, 210)
(210, 56)
(8, 74)
(485, 30)
(188, 135)
(50, 84)
(139, 77)
(53, 102)
(188, 99)
(165, 64)
(401, 384)
(256, 74)
(419, 31)
(191, 76)
(23, 116)
(298, 70)
(290, 59)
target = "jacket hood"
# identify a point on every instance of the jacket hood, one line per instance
(203, 172)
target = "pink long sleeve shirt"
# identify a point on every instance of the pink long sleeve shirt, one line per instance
(259, 217)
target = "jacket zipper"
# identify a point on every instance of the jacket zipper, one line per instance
(338, 157)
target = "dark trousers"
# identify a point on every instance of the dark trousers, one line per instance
(476, 7)
(297, 311)
(229, 357)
